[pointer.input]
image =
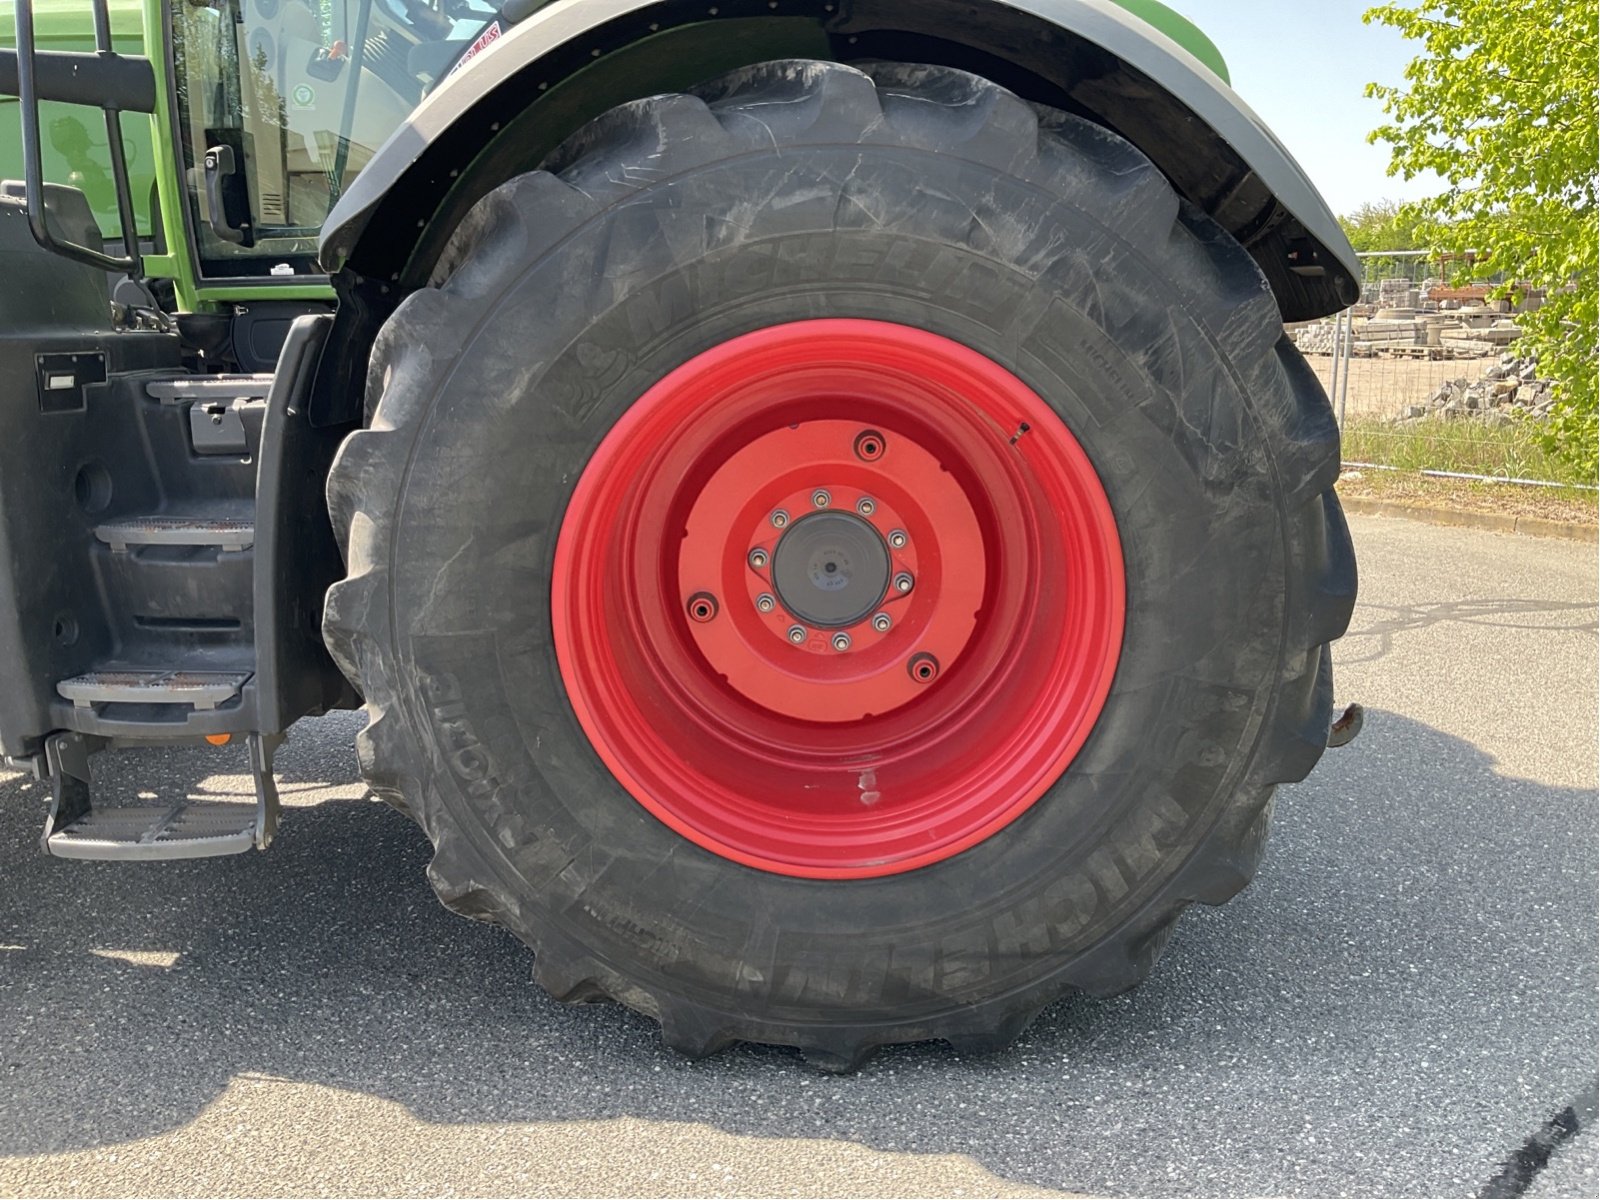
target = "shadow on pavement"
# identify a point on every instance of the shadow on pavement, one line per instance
(1380, 622)
(1404, 994)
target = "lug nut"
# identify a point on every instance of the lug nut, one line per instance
(780, 519)
(765, 603)
(866, 506)
(797, 634)
(898, 539)
(903, 582)
(881, 622)
(758, 558)
(820, 499)
(841, 642)
(702, 607)
(869, 445)
(924, 668)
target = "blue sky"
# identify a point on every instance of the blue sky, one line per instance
(1302, 65)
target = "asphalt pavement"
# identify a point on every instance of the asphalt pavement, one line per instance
(1404, 997)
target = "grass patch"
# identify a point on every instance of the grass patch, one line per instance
(1463, 444)
(1461, 495)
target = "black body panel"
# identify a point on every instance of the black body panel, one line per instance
(69, 460)
(128, 518)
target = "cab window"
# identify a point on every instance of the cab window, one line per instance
(281, 103)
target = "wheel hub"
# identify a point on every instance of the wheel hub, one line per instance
(869, 543)
(838, 599)
(831, 569)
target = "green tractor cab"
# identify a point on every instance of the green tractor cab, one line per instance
(262, 112)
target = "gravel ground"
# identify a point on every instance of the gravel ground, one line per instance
(1574, 1171)
(1402, 998)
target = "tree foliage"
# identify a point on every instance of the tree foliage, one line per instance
(1500, 104)
(1383, 225)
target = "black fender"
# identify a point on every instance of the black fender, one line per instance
(572, 60)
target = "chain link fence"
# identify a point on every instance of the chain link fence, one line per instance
(1425, 374)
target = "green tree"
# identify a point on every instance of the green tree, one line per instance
(1383, 225)
(1500, 104)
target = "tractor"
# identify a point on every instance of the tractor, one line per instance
(814, 496)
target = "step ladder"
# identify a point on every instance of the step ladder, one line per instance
(226, 533)
(152, 832)
(172, 558)
(202, 689)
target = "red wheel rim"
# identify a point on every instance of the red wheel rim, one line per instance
(838, 599)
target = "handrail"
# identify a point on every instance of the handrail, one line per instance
(33, 159)
(85, 77)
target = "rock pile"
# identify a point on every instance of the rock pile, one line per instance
(1510, 388)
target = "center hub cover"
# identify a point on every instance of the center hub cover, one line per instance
(831, 569)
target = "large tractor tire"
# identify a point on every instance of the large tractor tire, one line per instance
(840, 559)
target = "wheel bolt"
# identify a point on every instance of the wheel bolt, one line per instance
(797, 634)
(702, 607)
(758, 558)
(821, 499)
(765, 603)
(780, 519)
(924, 668)
(866, 506)
(841, 642)
(881, 622)
(869, 445)
(903, 582)
(898, 539)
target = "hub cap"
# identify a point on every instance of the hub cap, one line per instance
(831, 569)
(838, 599)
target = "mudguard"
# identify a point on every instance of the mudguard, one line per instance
(569, 61)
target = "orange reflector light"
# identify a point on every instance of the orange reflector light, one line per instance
(219, 739)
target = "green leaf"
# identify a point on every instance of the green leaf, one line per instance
(1500, 103)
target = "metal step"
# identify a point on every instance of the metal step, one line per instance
(197, 829)
(230, 533)
(152, 833)
(203, 689)
(212, 388)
